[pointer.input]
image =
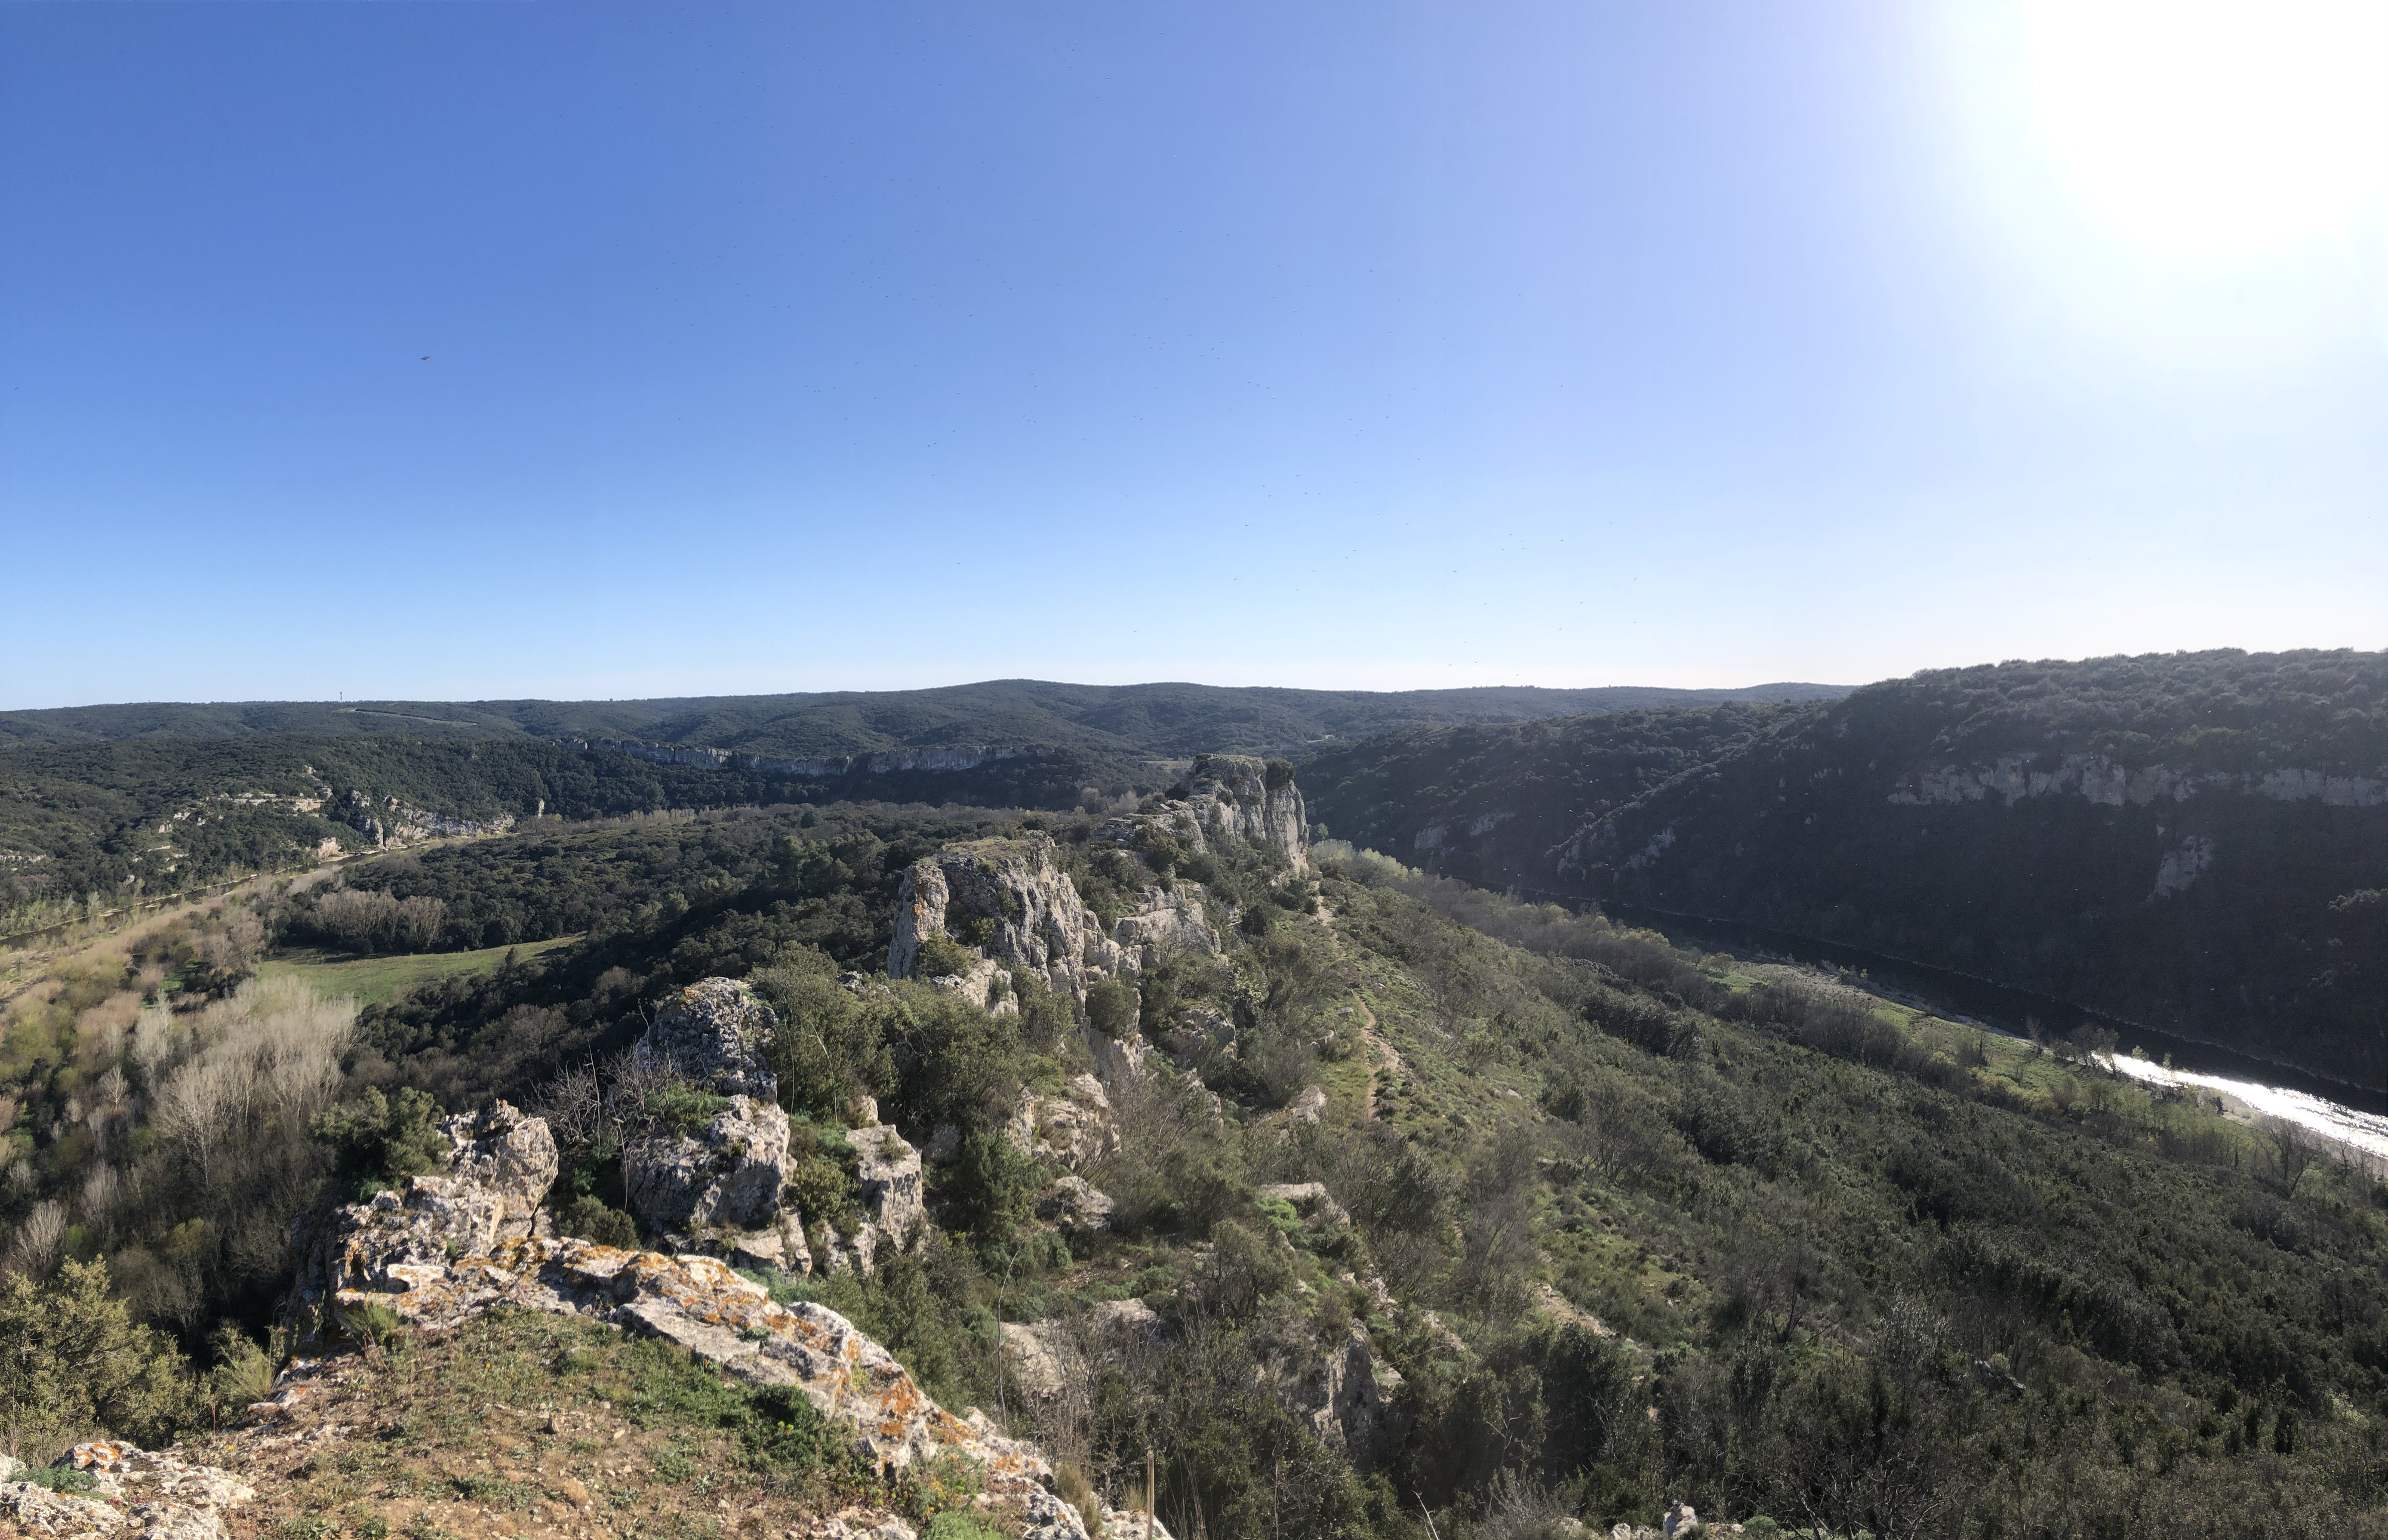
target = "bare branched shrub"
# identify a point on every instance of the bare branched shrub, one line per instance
(153, 1042)
(36, 1245)
(234, 1115)
(574, 1105)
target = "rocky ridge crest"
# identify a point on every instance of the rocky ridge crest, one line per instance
(445, 1252)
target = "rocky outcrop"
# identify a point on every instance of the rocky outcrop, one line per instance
(1228, 797)
(700, 1304)
(1075, 1208)
(1200, 1030)
(713, 1033)
(1011, 901)
(1072, 1129)
(133, 1493)
(503, 1153)
(390, 823)
(501, 1166)
(888, 1173)
(1167, 922)
(708, 1168)
(1353, 1401)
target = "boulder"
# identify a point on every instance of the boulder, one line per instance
(1167, 922)
(1072, 1129)
(1199, 1030)
(1075, 1208)
(501, 1152)
(715, 1034)
(1681, 1519)
(721, 1180)
(890, 1175)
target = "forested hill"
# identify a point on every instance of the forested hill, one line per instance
(2198, 842)
(1170, 720)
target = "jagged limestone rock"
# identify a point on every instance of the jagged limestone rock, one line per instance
(138, 1496)
(501, 1166)
(722, 1180)
(1073, 1207)
(1228, 797)
(1071, 1128)
(716, 1186)
(1010, 900)
(503, 1151)
(714, 1034)
(889, 1172)
(1200, 1030)
(700, 1304)
(1166, 922)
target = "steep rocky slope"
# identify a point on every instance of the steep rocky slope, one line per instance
(2190, 842)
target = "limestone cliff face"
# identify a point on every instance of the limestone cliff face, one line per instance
(391, 824)
(1233, 794)
(1167, 920)
(1010, 900)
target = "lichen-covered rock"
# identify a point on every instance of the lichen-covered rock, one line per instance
(1072, 1207)
(715, 1034)
(412, 1233)
(717, 1185)
(31, 1510)
(1010, 900)
(725, 1174)
(1071, 1128)
(138, 1495)
(507, 1154)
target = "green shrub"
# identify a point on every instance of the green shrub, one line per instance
(56, 1478)
(822, 1184)
(1111, 1007)
(379, 1143)
(588, 1218)
(244, 1372)
(76, 1366)
(942, 957)
(830, 1047)
(684, 1109)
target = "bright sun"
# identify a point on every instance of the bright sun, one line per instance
(2214, 130)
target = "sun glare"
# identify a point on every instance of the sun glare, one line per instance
(2210, 128)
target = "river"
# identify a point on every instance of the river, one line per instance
(2338, 1110)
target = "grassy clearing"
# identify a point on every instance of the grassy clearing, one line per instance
(375, 979)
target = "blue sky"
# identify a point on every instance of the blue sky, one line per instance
(801, 346)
